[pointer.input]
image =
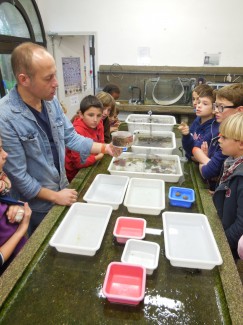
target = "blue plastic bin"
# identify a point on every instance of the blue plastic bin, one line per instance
(177, 196)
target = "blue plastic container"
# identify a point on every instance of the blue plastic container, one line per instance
(181, 196)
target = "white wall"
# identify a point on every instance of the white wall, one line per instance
(177, 32)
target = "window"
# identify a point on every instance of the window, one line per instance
(20, 21)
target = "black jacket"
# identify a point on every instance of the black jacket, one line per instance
(228, 200)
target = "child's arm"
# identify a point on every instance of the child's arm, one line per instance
(9, 246)
(200, 156)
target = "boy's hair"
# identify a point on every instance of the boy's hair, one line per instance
(200, 88)
(233, 93)
(208, 92)
(231, 127)
(107, 100)
(90, 101)
(111, 88)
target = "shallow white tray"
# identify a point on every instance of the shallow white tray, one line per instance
(138, 170)
(140, 252)
(145, 196)
(189, 241)
(151, 149)
(82, 229)
(142, 122)
(108, 190)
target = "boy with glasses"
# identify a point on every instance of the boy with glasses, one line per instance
(229, 100)
(228, 196)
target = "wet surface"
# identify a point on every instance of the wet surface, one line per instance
(67, 289)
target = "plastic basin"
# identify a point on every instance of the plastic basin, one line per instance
(124, 283)
(181, 196)
(128, 227)
(139, 252)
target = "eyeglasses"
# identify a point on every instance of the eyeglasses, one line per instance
(221, 108)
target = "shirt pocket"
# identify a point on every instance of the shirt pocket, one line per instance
(31, 144)
(60, 128)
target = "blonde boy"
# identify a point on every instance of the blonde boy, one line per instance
(228, 196)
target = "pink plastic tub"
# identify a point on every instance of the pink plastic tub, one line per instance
(125, 283)
(127, 227)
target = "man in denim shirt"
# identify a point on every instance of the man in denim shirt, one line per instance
(35, 132)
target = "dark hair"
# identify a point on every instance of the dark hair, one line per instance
(90, 101)
(112, 88)
(208, 92)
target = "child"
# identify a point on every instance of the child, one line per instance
(202, 125)
(229, 100)
(228, 196)
(89, 124)
(195, 94)
(108, 107)
(12, 233)
(113, 90)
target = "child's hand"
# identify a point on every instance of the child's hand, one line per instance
(12, 212)
(184, 128)
(16, 213)
(113, 129)
(204, 147)
(99, 156)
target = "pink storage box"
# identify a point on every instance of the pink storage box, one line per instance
(127, 227)
(125, 283)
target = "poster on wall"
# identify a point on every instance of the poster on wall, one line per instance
(72, 76)
(211, 58)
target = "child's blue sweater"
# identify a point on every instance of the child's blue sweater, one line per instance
(197, 134)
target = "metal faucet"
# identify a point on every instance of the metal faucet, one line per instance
(139, 99)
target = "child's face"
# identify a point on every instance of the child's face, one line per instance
(115, 95)
(195, 99)
(106, 112)
(92, 117)
(230, 147)
(204, 107)
(3, 156)
(220, 116)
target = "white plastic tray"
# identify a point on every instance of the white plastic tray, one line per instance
(137, 147)
(139, 170)
(82, 229)
(140, 252)
(145, 196)
(157, 122)
(189, 241)
(108, 190)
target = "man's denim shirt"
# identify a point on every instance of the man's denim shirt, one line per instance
(30, 164)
